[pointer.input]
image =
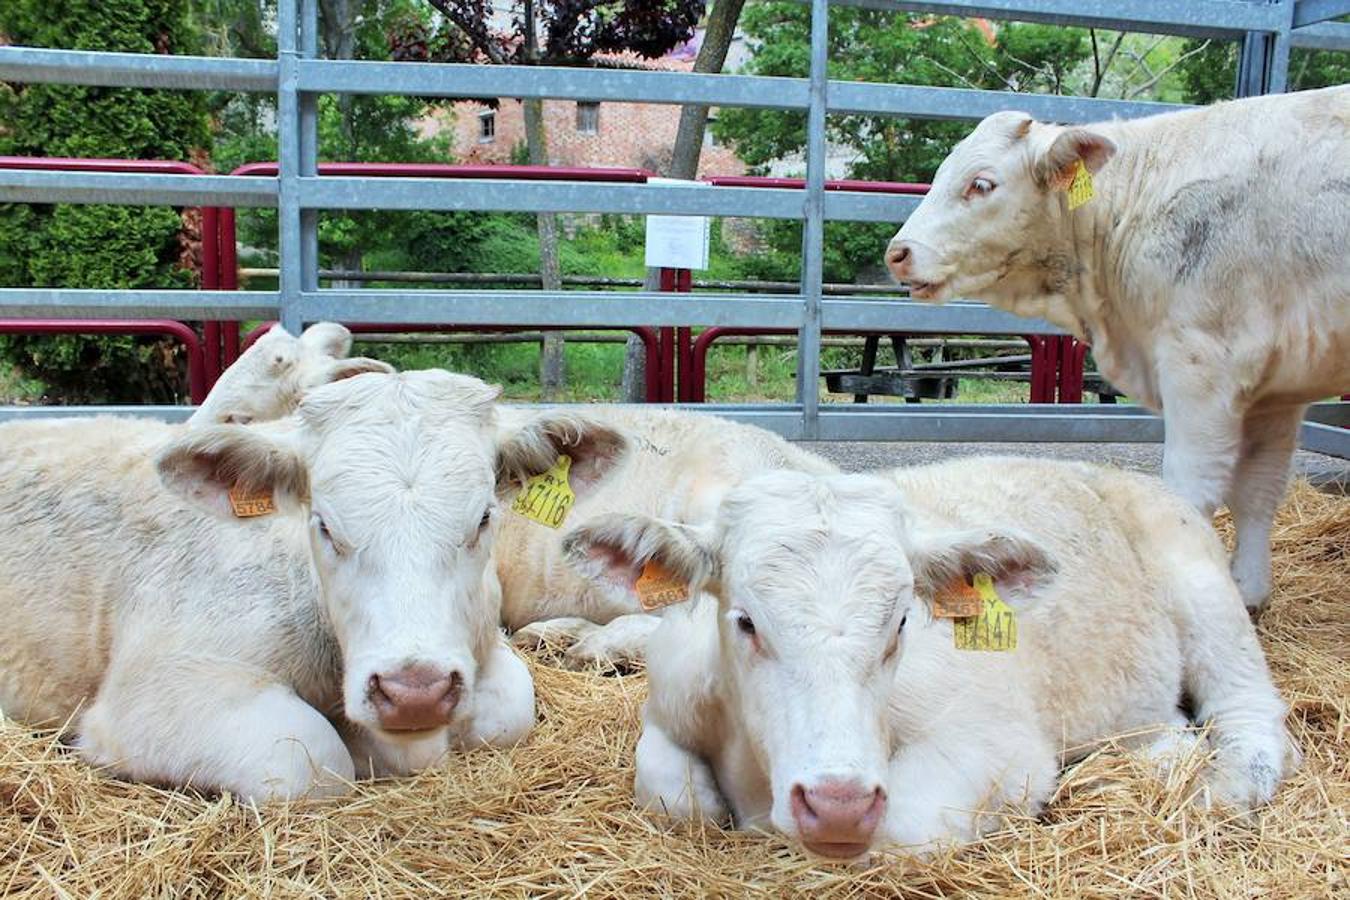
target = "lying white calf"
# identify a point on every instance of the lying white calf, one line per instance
(819, 695)
(268, 379)
(219, 650)
(680, 466)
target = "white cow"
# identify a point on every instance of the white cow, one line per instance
(1210, 273)
(679, 467)
(268, 379)
(183, 644)
(817, 694)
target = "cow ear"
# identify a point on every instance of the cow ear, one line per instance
(327, 338)
(1018, 565)
(349, 367)
(1056, 166)
(613, 550)
(534, 446)
(234, 472)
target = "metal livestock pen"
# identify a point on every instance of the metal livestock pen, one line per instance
(1266, 28)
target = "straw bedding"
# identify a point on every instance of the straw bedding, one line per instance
(554, 817)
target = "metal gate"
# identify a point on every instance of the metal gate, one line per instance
(1267, 29)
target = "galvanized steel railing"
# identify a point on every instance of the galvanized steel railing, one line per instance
(298, 76)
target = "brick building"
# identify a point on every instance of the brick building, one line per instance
(638, 135)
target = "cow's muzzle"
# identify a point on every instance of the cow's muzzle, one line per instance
(416, 697)
(837, 817)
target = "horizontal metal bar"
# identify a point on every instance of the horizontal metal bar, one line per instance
(162, 413)
(856, 206)
(957, 423)
(1190, 18)
(1332, 440)
(958, 317)
(963, 103)
(23, 186)
(1310, 12)
(72, 303)
(1324, 36)
(1334, 412)
(581, 309)
(556, 196)
(626, 85)
(149, 70)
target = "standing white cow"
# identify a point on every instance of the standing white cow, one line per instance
(817, 693)
(1210, 273)
(184, 639)
(679, 467)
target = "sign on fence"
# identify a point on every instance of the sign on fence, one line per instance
(677, 242)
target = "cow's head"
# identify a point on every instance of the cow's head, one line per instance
(270, 377)
(817, 578)
(991, 225)
(398, 478)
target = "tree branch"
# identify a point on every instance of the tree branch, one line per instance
(475, 27)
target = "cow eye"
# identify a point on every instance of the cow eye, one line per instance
(745, 625)
(980, 185)
(322, 527)
(902, 622)
(486, 520)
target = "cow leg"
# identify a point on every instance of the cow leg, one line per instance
(503, 700)
(215, 726)
(1269, 436)
(944, 791)
(620, 643)
(1203, 432)
(674, 782)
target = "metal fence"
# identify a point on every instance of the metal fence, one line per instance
(1266, 28)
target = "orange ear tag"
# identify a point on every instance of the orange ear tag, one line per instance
(658, 587)
(956, 600)
(248, 506)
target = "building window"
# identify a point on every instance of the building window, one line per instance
(487, 127)
(588, 118)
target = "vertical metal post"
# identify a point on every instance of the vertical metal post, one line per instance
(813, 232)
(1263, 61)
(309, 149)
(289, 242)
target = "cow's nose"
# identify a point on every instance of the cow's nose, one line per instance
(898, 258)
(837, 817)
(416, 697)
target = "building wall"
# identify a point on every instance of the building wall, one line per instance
(638, 135)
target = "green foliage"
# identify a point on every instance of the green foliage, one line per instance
(1210, 74)
(96, 246)
(884, 47)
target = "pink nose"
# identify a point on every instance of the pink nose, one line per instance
(899, 259)
(415, 698)
(836, 817)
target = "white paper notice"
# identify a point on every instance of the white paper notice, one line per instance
(677, 242)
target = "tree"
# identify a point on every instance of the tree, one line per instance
(565, 33)
(99, 246)
(1210, 72)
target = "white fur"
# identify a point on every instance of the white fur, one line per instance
(679, 467)
(185, 645)
(1209, 274)
(1123, 603)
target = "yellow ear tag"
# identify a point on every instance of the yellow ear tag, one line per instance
(248, 506)
(547, 497)
(995, 628)
(1080, 189)
(657, 586)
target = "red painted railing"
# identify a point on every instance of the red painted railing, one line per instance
(203, 356)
